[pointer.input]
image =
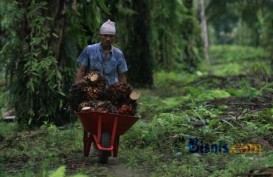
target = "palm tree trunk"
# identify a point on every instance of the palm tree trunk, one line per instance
(204, 31)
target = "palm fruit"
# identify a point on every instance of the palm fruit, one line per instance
(96, 86)
(93, 93)
(95, 79)
(98, 106)
(90, 93)
(105, 107)
(91, 104)
(129, 107)
(119, 92)
(126, 109)
(77, 94)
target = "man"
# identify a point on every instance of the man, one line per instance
(104, 57)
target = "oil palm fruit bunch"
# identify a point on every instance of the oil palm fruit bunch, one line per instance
(96, 86)
(126, 109)
(87, 105)
(119, 92)
(95, 79)
(106, 107)
(98, 106)
(77, 94)
(91, 94)
(129, 107)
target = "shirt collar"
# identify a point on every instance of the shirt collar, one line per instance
(111, 50)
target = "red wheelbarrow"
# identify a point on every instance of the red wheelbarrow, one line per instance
(104, 130)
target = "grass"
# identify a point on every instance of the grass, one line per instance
(41, 152)
(234, 53)
(180, 100)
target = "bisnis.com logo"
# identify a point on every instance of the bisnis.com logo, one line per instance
(199, 146)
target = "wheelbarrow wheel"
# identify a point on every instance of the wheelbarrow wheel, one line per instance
(105, 142)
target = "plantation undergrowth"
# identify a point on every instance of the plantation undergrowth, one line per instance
(228, 103)
(221, 106)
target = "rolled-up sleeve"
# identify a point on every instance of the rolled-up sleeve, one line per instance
(82, 59)
(122, 66)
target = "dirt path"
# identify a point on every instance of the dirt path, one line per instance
(121, 170)
(114, 168)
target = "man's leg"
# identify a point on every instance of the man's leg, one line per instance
(94, 150)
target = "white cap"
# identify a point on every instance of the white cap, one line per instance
(108, 28)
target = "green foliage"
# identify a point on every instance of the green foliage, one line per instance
(38, 78)
(175, 35)
(34, 78)
(231, 69)
(179, 169)
(170, 82)
(241, 60)
(60, 172)
(82, 26)
(250, 22)
(163, 139)
(166, 35)
(7, 129)
(167, 161)
(38, 151)
(4, 99)
(163, 131)
(236, 53)
(213, 94)
(266, 38)
(170, 103)
(164, 79)
(262, 70)
(199, 94)
(135, 42)
(9, 14)
(250, 91)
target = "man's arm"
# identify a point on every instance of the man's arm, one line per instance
(122, 78)
(80, 73)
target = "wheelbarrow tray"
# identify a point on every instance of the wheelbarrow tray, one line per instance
(95, 123)
(90, 122)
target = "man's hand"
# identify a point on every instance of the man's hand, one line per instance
(80, 73)
(122, 78)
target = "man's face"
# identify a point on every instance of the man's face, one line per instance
(107, 39)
